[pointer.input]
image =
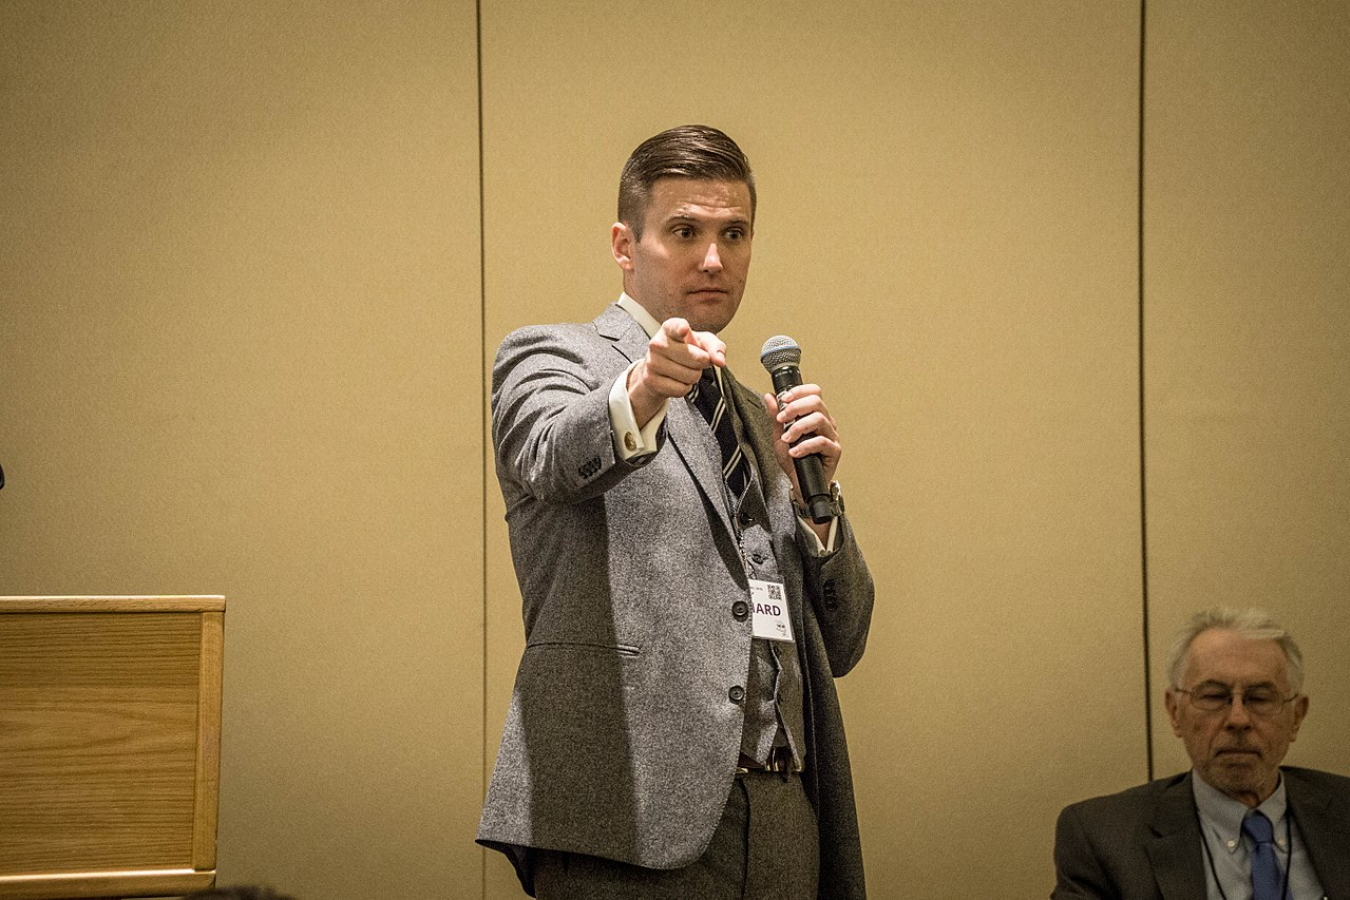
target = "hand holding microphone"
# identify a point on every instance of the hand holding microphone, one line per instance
(808, 429)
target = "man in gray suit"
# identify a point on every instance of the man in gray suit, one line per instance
(1238, 825)
(674, 730)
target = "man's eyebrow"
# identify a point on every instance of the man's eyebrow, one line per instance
(1211, 683)
(688, 218)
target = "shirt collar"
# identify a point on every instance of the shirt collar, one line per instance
(644, 318)
(1223, 815)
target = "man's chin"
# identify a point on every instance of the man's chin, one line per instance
(1238, 774)
(710, 311)
(709, 323)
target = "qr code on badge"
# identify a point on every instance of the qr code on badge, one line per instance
(775, 592)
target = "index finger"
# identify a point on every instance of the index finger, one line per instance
(677, 330)
(801, 392)
(712, 345)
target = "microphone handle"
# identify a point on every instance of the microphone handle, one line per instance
(810, 468)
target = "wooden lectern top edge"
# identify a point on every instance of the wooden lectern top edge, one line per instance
(143, 882)
(174, 603)
(110, 875)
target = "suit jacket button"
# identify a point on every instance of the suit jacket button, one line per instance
(737, 694)
(741, 610)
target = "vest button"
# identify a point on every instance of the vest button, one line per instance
(745, 518)
(737, 694)
(741, 610)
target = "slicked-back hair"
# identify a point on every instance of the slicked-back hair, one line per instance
(687, 151)
(1252, 624)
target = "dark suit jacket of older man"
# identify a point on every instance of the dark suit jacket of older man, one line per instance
(623, 735)
(1144, 843)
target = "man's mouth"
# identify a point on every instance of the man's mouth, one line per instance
(1232, 752)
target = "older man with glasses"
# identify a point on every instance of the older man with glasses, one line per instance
(1238, 826)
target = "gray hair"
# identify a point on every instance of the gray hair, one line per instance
(1252, 624)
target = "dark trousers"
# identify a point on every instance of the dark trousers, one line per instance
(766, 847)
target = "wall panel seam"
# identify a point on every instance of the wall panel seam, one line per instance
(486, 461)
(1143, 456)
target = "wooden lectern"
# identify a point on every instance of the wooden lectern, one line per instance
(109, 745)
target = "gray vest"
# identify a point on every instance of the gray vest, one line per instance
(773, 690)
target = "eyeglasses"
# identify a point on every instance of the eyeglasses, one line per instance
(1258, 701)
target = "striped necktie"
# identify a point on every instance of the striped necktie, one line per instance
(707, 396)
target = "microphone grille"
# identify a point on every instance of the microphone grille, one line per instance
(780, 350)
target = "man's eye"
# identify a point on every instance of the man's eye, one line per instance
(1259, 697)
(1213, 696)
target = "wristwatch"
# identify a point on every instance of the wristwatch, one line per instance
(836, 507)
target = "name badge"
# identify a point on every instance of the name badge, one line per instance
(769, 602)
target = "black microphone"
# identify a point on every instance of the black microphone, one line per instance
(781, 356)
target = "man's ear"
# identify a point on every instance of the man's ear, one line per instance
(1300, 710)
(621, 243)
(1173, 710)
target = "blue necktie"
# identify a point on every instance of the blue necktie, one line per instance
(1266, 882)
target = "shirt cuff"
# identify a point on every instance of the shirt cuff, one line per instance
(629, 439)
(813, 539)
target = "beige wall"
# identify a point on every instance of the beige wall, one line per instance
(1247, 333)
(240, 350)
(246, 307)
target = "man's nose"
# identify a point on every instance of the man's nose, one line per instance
(1238, 716)
(712, 259)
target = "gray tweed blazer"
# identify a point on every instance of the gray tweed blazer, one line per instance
(621, 739)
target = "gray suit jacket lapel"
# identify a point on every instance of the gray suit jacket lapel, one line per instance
(688, 433)
(1175, 849)
(685, 427)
